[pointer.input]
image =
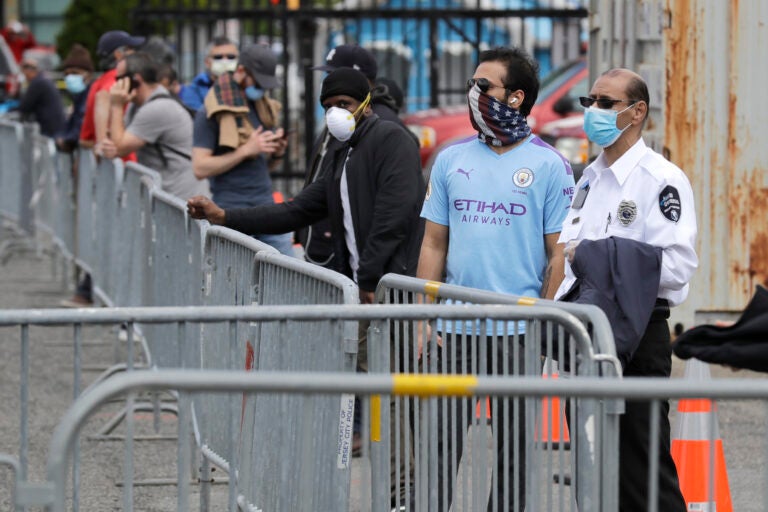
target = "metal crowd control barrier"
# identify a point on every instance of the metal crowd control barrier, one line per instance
(296, 347)
(52, 492)
(174, 269)
(541, 340)
(11, 169)
(301, 459)
(109, 173)
(134, 226)
(16, 185)
(87, 236)
(53, 197)
(226, 280)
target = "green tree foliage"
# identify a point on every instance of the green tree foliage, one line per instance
(86, 20)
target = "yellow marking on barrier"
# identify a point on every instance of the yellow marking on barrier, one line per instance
(434, 385)
(376, 418)
(432, 288)
(527, 301)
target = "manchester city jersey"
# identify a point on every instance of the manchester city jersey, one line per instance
(498, 209)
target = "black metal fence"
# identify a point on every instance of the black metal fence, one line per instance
(428, 47)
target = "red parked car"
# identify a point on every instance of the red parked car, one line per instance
(558, 100)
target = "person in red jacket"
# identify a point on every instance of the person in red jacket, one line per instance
(113, 46)
(19, 38)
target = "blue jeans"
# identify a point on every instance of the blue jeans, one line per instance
(282, 242)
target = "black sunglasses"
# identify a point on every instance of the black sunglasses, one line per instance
(603, 103)
(483, 83)
(230, 56)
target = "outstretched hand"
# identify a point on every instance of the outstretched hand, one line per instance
(200, 207)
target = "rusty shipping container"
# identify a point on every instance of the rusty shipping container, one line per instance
(706, 64)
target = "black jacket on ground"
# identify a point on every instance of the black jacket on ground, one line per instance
(741, 345)
(621, 277)
(386, 190)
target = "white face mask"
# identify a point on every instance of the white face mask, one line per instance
(341, 123)
(221, 66)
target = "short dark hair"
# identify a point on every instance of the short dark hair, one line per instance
(166, 71)
(636, 88)
(522, 73)
(142, 64)
(218, 41)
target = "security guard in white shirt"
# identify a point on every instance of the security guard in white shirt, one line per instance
(630, 191)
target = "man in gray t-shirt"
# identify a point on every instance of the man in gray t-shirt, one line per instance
(159, 128)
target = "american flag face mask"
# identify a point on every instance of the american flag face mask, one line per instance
(497, 124)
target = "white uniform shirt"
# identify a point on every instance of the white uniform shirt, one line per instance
(642, 197)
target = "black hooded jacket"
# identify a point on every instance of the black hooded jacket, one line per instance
(386, 190)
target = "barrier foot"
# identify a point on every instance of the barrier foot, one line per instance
(107, 429)
(160, 482)
(117, 437)
(108, 372)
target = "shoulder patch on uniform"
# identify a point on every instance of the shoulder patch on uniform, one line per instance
(429, 190)
(669, 203)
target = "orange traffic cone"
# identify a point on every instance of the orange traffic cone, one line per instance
(697, 450)
(551, 408)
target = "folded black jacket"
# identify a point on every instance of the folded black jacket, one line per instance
(621, 277)
(741, 345)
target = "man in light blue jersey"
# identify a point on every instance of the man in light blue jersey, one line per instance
(494, 209)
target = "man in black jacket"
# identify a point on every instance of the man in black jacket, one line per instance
(317, 239)
(41, 102)
(372, 195)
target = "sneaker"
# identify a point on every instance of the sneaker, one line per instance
(76, 302)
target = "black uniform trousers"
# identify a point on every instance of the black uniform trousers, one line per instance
(653, 358)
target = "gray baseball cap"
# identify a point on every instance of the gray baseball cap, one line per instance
(260, 61)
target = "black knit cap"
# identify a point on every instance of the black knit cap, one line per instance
(347, 81)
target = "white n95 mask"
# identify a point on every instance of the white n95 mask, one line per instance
(221, 66)
(341, 123)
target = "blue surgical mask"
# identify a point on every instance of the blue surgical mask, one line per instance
(600, 125)
(75, 83)
(253, 93)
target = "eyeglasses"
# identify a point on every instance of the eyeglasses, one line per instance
(230, 56)
(604, 103)
(483, 83)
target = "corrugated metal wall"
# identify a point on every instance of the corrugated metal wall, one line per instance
(717, 73)
(706, 63)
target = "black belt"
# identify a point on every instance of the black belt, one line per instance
(660, 310)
